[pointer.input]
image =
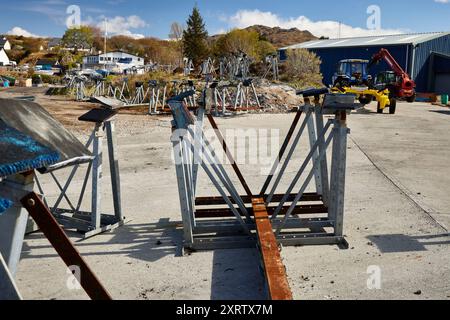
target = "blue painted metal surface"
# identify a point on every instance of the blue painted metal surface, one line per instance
(20, 153)
(441, 64)
(5, 204)
(422, 55)
(331, 57)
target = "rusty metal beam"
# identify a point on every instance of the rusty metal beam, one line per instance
(274, 270)
(206, 201)
(63, 246)
(226, 212)
(229, 155)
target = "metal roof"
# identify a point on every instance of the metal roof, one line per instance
(54, 42)
(369, 41)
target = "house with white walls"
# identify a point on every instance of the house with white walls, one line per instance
(4, 60)
(116, 61)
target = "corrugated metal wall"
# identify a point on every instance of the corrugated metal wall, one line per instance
(439, 73)
(419, 69)
(422, 60)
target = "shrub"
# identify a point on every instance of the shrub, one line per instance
(46, 79)
(302, 69)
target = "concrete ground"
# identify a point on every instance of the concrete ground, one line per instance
(397, 217)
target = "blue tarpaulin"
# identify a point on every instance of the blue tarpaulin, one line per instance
(20, 153)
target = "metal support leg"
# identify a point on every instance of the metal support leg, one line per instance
(163, 105)
(224, 101)
(324, 163)
(13, 222)
(182, 189)
(256, 96)
(151, 103)
(96, 177)
(8, 288)
(114, 169)
(216, 103)
(198, 143)
(312, 142)
(338, 169)
(238, 96)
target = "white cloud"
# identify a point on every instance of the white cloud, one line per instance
(442, 1)
(18, 31)
(123, 25)
(219, 31)
(328, 28)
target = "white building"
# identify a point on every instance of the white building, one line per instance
(117, 61)
(5, 44)
(4, 60)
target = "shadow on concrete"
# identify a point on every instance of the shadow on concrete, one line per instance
(364, 111)
(394, 243)
(147, 242)
(445, 112)
(236, 275)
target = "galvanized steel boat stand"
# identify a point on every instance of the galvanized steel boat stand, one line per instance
(93, 222)
(298, 218)
(265, 220)
(158, 94)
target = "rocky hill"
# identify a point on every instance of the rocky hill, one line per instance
(283, 37)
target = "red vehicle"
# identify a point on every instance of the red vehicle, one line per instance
(397, 81)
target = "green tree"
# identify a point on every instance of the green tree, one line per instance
(243, 41)
(79, 38)
(195, 38)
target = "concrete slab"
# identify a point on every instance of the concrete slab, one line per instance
(384, 225)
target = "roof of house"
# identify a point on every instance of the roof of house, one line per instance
(398, 39)
(120, 51)
(54, 42)
(46, 62)
(3, 41)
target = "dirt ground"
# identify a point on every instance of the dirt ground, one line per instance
(396, 218)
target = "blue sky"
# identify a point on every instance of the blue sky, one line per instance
(153, 18)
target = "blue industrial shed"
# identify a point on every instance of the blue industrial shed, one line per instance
(425, 57)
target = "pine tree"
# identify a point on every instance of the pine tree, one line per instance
(195, 37)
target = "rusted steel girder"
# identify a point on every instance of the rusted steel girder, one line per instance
(205, 201)
(226, 212)
(63, 246)
(274, 270)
